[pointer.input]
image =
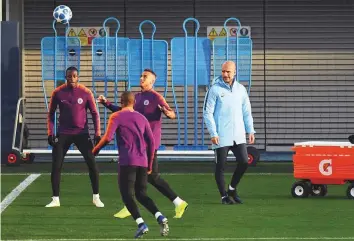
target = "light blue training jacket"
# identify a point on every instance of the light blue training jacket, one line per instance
(227, 113)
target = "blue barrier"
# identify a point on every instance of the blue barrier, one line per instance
(190, 58)
(237, 49)
(151, 54)
(57, 54)
(109, 64)
(148, 53)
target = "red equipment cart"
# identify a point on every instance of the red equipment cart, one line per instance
(318, 164)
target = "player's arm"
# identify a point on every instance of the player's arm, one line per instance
(109, 135)
(53, 103)
(165, 108)
(247, 116)
(114, 108)
(247, 113)
(150, 145)
(208, 112)
(91, 104)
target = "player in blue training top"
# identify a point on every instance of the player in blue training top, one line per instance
(151, 104)
(136, 154)
(228, 117)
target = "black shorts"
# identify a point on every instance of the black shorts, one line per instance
(155, 165)
(132, 179)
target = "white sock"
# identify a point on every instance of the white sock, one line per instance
(177, 201)
(231, 188)
(157, 215)
(96, 196)
(139, 220)
(56, 199)
(223, 197)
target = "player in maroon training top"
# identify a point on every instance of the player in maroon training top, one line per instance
(73, 100)
(136, 153)
(151, 104)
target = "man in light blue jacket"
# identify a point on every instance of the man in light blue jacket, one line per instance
(228, 117)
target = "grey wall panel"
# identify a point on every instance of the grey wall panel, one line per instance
(168, 17)
(309, 70)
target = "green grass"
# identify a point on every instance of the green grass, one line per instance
(269, 211)
(8, 183)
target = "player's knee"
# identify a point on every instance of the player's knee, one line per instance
(153, 178)
(243, 165)
(140, 195)
(243, 161)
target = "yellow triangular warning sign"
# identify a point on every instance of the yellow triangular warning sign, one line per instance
(222, 32)
(72, 33)
(82, 33)
(213, 33)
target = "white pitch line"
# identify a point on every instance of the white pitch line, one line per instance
(164, 174)
(201, 239)
(17, 191)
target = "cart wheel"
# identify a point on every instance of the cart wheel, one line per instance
(28, 158)
(350, 191)
(300, 189)
(253, 156)
(319, 190)
(14, 158)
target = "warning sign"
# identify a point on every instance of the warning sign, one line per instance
(72, 33)
(86, 34)
(92, 32)
(82, 33)
(222, 33)
(212, 32)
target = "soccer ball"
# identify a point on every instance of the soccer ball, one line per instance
(62, 14)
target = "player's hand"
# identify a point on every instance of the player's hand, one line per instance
(149, 172)
(215, 140)
(52, 140)
(169, 113)
(251, 138)
(95, 151)
(102, 99)
(96, 140)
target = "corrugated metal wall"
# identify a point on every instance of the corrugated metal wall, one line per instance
(309, 70)
(303, 84)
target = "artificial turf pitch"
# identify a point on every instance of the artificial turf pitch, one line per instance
(269, 211)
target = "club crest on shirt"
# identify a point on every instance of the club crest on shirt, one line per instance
(146, 102)
(80, 100)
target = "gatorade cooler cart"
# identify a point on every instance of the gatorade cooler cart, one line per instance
(318, 164)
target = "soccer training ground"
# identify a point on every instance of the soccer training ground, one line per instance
(269, 211)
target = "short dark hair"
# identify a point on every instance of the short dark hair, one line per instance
(71, 68)
(150, 71)
(127, 98)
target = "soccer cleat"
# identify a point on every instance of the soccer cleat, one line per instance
(164, 228)
(142, 229)
(180, 209)
(227, 200)
(122, 213)
(97, 201)
(235, 196)
(54, 203)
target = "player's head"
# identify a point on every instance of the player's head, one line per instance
(127, 99)
(228, 71)
(147, 79)
(72, 76)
